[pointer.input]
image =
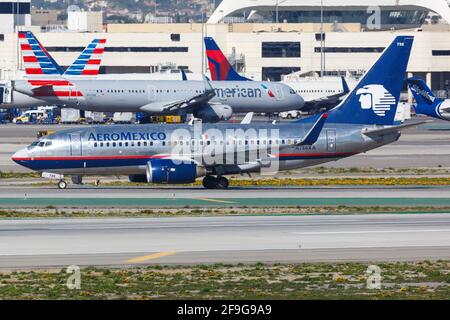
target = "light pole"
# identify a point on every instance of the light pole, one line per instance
(322, 55)
(276, 12)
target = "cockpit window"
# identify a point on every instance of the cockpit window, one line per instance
(41, 144)
(48, 143)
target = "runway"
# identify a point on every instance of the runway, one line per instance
(79, 196)
(246, 239)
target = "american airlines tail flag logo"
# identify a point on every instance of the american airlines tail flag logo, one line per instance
(377, 98)
(88, 63)
(43, 73)
(36, 59)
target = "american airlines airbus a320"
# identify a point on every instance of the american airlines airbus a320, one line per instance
(180, 154)
(211, 102)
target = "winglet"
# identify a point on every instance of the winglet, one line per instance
(248, 118)
(313, 135)
(345, 86)
(183, 75)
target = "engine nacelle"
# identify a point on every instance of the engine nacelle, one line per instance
(444, 110)
(165, 171)
(214, 112)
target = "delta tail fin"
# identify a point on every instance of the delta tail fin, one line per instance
(219, 66)
(375, 98)
(88, 63)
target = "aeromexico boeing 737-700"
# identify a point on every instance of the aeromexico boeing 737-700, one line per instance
(181, 153)
(213, 101)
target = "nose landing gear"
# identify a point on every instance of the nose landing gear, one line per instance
(210, 182)
(62, 184)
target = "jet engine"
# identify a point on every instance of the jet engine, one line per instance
(165, 171)
(214, 112)
(444, 110)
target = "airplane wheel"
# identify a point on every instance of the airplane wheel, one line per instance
(209, 182)
(62, 185)
(222, 183)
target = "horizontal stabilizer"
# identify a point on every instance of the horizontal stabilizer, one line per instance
(394, 129)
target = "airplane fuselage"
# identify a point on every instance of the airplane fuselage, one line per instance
(151, 96)
(127, 149)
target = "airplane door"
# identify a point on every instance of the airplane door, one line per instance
(75, 145)
(279, 92)
(331, 140)
(2, 94)
(151, 93)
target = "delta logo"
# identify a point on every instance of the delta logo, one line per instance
(269, 91)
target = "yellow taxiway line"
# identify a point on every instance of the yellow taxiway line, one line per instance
(150, 257)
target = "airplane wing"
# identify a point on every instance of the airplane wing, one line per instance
(328, 102)
(171, 106)
(394, 129)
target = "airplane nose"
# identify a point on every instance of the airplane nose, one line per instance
(20, 156)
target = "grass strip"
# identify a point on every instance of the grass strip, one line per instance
(55, 212)
(418, 280)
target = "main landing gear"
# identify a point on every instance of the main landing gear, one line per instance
(210, 182)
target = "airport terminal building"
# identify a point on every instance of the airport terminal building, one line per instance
(355, 35)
